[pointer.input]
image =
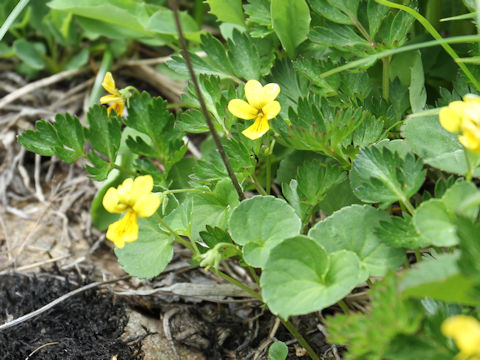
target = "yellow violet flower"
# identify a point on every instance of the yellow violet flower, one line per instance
(261, 104)
(116, 99)
(464, 117)
(465, 331)
(135, 198)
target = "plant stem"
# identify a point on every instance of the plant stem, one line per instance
(426, 24)
(293, 330)
(189, 245)
(370, 283)
(11, 18)
(307, 217)
(238, 283)
(286, 323)
(268, 180)
(124, 170)
(257, 185)
(216, 137)
(386, 77)
(344, 307)
(106, 63)
(254, 274)
(418, 255)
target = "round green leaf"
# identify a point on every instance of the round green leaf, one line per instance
(278, 351)
(433, 222)
(435, 145)
(150, 254)
(353, 228)
(260, 223)
(300, 277)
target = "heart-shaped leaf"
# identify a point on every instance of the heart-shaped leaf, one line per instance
(259, 224)
(352, 228)
(301, 277)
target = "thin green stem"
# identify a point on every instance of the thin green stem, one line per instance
(201, 100)
(253, 274)
(408, 205)
(307, 217)
(426, 24)
(179, 191)
(238, 283)
(124, 170)
(418, 255)
(370, 283)
(370, 58)
(189, 245)
(386, 77)
(344, 307)
(11, 18)
(257, 185)
(106, 64)
(293, 330)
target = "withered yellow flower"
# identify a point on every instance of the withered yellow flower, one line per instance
(261, 104)
(465, 331)
(115, 98)
(135, 198)
(464, 117)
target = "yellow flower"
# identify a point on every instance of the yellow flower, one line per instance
(261, 104)
(135, 198)
(465, 331)
(464, 117)
(116, 99)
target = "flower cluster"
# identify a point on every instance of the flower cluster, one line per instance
(135, 198)
(261, 104)
(465, 331)
(464, 117)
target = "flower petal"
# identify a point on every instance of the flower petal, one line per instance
(123, 230)
(465, 330)
(271, 110)
(259, 127)
(111, 201)
(142, 185)
(109, 84)
(470, 141)
(271, 92)
(147, 205)
(242, 109)
(450, 119)
(254, 92)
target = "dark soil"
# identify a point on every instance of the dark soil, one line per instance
(85, 326)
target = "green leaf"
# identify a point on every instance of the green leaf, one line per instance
(353, 228)
(381, 176)
(150, 116)
(214, 208)
(129, 14)
(439, 279)
(104, 134)
(435, 219)
(244, 56)
(278, 351)
(417, 92)
(259, 224)
(341, 12)
(29, 53)
(376, 14)
(150, 254)
(192, 121)
(229, 11)
(337, 197)
(163, 22)
(217, 54)
(301, 277)
(399, 232)
(341, 37)
(369, 335)
(291, 22)
(64, 138)
(435, 145)
(258, 12)
(316, 178)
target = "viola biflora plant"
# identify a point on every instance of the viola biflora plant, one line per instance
(338, 158)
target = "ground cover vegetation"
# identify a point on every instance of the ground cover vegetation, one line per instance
(340, 154)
